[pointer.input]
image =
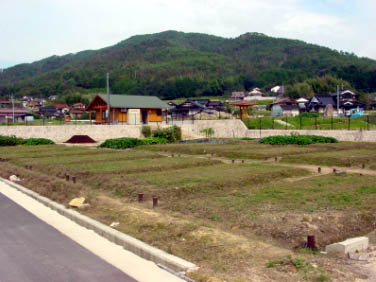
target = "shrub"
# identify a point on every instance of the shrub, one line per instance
(121, 143)
(172, 134)
(208, 132)
(146, 131)
(154, 140)
(38, 141)
(297, 139)
(10, 141)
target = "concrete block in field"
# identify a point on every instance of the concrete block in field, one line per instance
(349, 246)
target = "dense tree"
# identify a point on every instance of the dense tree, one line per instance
(175, 64)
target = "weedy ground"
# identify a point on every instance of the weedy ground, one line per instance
(239, 222)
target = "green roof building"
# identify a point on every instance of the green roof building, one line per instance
(128, 109)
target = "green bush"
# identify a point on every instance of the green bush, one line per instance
(146, 131)
(172, 134)
(38, 141)
(208, 132)
(297, 139)
(124, 143)
(10, 141)
(13, 141)
(154, 140)
(121, 143)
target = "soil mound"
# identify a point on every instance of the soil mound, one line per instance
(80, 139)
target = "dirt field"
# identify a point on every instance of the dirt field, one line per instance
(242, 221)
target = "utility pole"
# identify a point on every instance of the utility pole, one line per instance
(13, 106)
(108, 97)
(338, 100)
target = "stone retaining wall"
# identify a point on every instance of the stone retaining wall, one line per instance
(61, 133)
(222, 129)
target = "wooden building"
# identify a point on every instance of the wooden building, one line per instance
(128, 109)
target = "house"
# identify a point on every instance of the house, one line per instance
(7, 114)
(346, 100)
(77, 114)
(285, 110)
(25, 100)
(127, 108)
(373, 102)
(33, 106)
(319, 102)
(237, 95)
(5, 104)
(347, 96)
(278, 90)
(79, 106)
(302, 102)
(285, 107)
(49, 111)
(191, 108)
(255, 94)
(62, 108)
(77, 110)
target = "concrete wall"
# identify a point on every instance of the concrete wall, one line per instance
(341, 135)
(61, 133)
(222, 129)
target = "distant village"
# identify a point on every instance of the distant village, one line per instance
(273, 103)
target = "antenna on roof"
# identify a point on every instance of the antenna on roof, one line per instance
(108, 97)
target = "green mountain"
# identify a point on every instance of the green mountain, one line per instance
(174, 64)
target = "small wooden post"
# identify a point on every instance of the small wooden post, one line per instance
(140, 197)
(74, 179)
(66, 177)
(155, 201)
(311, 242)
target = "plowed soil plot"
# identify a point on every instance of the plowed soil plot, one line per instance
(241, 221)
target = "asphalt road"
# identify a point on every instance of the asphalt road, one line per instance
(33, 251)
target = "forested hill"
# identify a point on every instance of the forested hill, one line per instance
(175, 64)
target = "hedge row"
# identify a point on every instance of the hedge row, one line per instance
(297, 139)
(160, 136)
(13, 141)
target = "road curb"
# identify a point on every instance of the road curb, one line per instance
(127, 242)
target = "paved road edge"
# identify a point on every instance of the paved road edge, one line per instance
(127, 242)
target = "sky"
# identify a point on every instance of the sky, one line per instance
(31, 30)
